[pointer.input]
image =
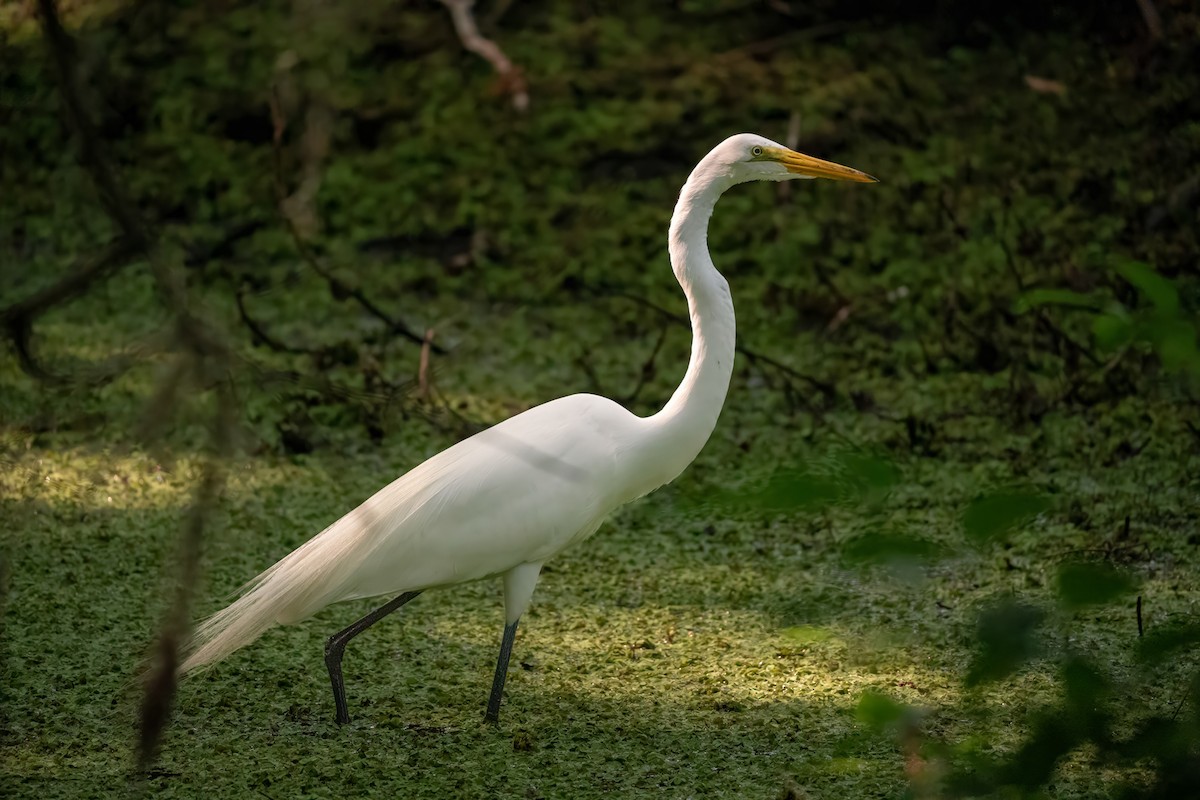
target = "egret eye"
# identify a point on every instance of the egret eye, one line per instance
(756, 151)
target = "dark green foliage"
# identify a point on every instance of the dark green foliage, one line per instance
(993, 515)
(884, 548)
(1168, 640)
(1082, 585)
(1095, 710)
(844, 479)
(1162, 324)
(879, 711)
(795, 491)
(1006, 639)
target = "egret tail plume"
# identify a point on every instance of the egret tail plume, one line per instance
(299, 585)
(232, 628)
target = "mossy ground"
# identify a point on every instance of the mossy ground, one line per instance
(689, 649)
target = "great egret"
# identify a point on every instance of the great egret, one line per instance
(507, 499)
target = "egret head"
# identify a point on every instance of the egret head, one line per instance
(749, 157)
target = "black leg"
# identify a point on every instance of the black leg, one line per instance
(493, 707)
(335, 648)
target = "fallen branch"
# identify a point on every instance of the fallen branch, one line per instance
(512, 81)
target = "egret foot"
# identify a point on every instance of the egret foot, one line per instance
(335, 648)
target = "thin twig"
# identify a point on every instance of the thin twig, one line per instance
(200, 255)
(959, 229)
(1009, 259)
(783, 189)
(259, 333)
(1062, 336)
(320, 384)
(827, 389)
(423, 381)
(790, 39)
(498, 10)
(647, 370)
(512, 81)
(1073, 389)
(1187, 693)
(190, 332)
(62, 48)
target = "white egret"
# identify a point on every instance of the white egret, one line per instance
(507, 499)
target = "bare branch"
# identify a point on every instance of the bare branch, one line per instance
(199, 255)
(203, 351)
(161, 680)
(62, 48)
(648, 368)
(337, 287)
(300, 207)
(17, 319)
(1152, 18)
(115, 255)
(828, 390)
(783, 190)
(259, 333)
(423, 380)
(512, 81)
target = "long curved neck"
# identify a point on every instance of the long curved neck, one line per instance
(688, 419)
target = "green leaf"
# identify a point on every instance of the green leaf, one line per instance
(989, 516)
(1035, 298)
(1175, 341)
(806, 634)
(1034, 763)
(1081, 585)
(871, 474)
(1155, 738)
(790, 490)
(1085, 685)
(877, 710)
(1158, 290)
(1111, 331)
(1006, 641)
(887, 548)
(1163, 642)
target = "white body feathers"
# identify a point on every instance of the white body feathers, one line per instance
(507, 499)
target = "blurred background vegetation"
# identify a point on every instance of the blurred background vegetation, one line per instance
(953, 493)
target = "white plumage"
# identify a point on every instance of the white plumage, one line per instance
(507, 499)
